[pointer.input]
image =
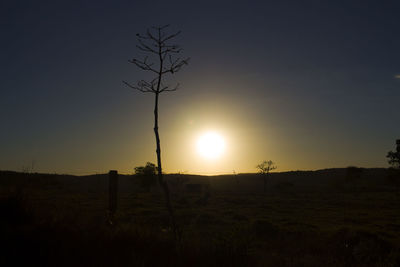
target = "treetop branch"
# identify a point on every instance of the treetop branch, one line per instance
(156, 41)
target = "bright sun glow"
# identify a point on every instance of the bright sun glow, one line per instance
(210, 145)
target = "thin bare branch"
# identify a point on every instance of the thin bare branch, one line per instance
(145, 47)
(160, 27)
(138, 88)
(176, 66)
(167, 89)
(152, 37)
(170, 37)
(154, 41)
(171, 50)
(157, 37)
(143, 65)
(164, 27)
(144, 86)
(163, 56)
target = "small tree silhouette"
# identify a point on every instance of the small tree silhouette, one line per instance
(147, 175)
(264, 168)
(394, 172)
(394, 157)
(155, 42)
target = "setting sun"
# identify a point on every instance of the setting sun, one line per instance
(210, 145)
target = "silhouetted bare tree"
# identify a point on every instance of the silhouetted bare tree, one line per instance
(156, 43)
(264, 168)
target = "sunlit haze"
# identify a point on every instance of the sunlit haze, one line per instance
(309, 85)
(211, 145)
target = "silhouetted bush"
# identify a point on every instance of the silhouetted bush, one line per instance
(147, 175)
(394, 156)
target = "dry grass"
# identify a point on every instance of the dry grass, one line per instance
(61, 221)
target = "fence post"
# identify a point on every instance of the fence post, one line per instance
(112, 194)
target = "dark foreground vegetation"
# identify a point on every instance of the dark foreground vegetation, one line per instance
(335, 217)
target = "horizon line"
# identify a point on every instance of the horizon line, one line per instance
(88, 173)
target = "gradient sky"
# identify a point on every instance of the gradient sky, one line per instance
(307, 84)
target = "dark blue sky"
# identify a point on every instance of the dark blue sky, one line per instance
(309, 84)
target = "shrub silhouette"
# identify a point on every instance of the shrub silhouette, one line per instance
(394, 156)
(147, 175)
(264, 168)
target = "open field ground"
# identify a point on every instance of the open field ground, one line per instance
(327, 217)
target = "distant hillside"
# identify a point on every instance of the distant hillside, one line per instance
(338, 178)
(305, 180)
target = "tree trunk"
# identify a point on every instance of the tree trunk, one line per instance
(161, 180)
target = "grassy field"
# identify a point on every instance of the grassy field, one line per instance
(329, 217)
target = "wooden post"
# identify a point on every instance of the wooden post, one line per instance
(112, 194)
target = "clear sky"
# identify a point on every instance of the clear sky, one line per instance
(307, 84)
